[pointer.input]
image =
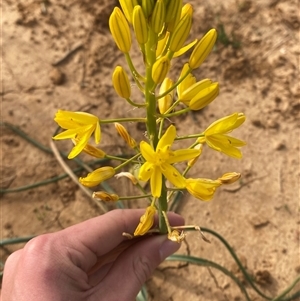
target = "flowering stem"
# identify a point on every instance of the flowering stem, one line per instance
(134, 197)
(122, 120)
(127, 162)
(137, 105)
(135, 74)
(174, 86)
(176, 113)
(119, 158)
(162, 206)
(151, 119)
(189, 137)
(149, 94)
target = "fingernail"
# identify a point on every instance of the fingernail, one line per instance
(167, 248)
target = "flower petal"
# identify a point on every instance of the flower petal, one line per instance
(146, 171)
(167, 138)
(156, 182)
(183, 155)
(97, 133)
(78, 117)
(147, 151)
(173, 175)
(223, 145)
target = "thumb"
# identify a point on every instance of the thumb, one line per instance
(135, 265)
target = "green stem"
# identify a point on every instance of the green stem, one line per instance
(149, 95)
(174, 86)
(137, 105)
(103, 121)
(162, 206)
(136, 76)
(134, 197)
(127, 162)
(176, 113)
(189, 136)
(151, 120)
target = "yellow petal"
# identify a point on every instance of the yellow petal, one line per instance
(97, 133)
(78, 117)
(147, 151)
(185, 48)
(146, 171)
(173, 175)
(146, 221)
(223, 145)
(183, 155)
(156, 182)
(168, 138)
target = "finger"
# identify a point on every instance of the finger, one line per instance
(97, 273)
(98, 236)
(9, 275)
(139, 262)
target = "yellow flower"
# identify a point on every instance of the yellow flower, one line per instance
(146, 221)
(216, 138)
(79, 125)
(159, 162)
(97, 176)
(202, 189)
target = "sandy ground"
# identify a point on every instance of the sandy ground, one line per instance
(61, 56)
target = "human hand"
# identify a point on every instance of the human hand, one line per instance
(88, 261)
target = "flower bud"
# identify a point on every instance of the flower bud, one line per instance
(186, 83)
(160, 69)
(140, 25)
(230, 177)
(204, 97)
(127, 7)
(121, 82)
(194, 89)
(171, 24)
(97, 176)
(146, 221)
(173, 8)
(119, 29)
(162, 44)
(147, 6)
(164, 103)
(105, 196)
(180, 33)
(203, 49)
(158, 16)
(125, 135)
